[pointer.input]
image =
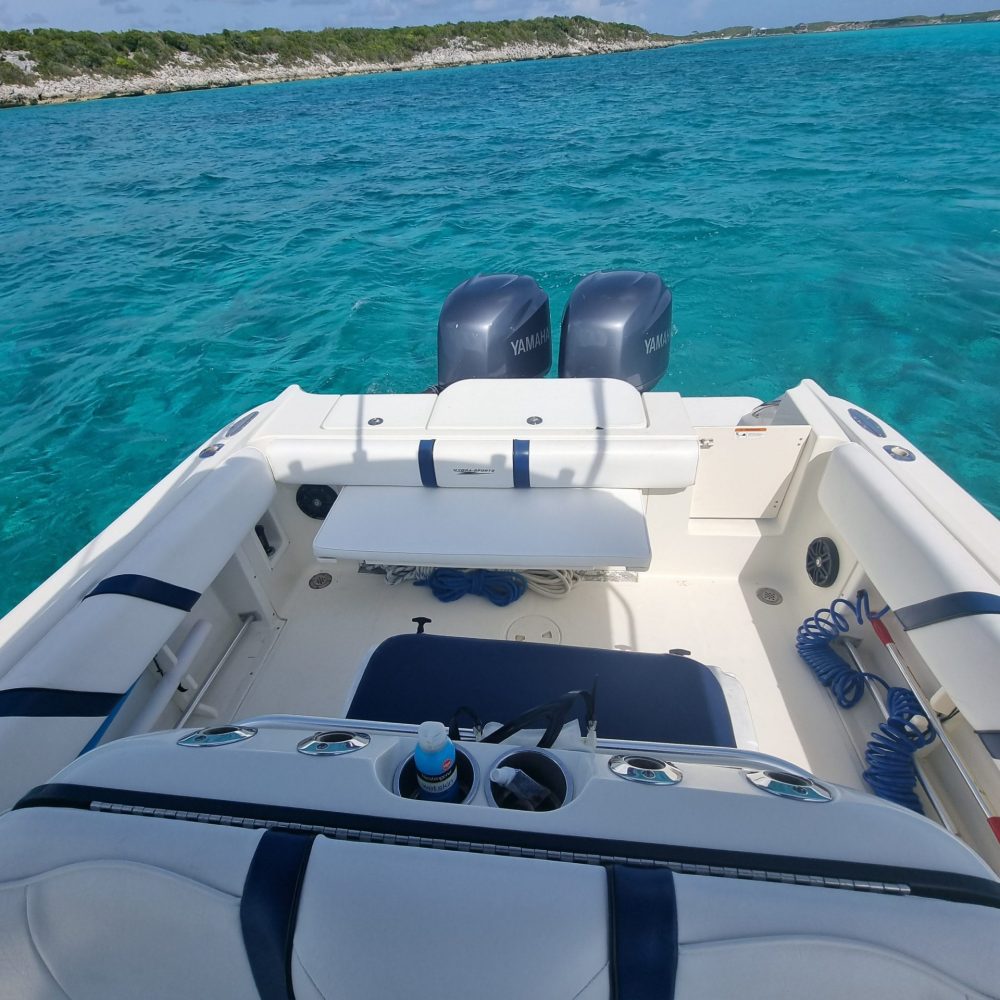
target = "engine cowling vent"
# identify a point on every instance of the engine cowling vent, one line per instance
(617, 324)
(494, 326)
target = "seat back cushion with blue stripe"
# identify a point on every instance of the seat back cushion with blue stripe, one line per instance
(100, 906)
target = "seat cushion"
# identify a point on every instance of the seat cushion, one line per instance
(650, 697)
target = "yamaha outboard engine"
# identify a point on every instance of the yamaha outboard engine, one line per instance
(494, 326)
(617, 325)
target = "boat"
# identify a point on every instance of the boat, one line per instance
(747, 650)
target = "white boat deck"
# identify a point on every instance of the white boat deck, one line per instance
(312, 666)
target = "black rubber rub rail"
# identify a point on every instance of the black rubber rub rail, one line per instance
(928, 883)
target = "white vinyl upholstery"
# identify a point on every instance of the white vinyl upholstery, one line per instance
(105, 641)
(449, 925)
(582, 433)
(101, 907)
(757, 941)
(96, 906)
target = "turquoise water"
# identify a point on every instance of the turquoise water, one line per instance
(823, 206)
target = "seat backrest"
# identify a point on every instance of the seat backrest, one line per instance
(99, 905)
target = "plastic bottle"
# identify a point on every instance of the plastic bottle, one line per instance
(528, 792)
(436, 761)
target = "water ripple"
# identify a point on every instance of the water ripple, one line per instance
(824, 206)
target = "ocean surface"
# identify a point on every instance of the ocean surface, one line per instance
(823, 206)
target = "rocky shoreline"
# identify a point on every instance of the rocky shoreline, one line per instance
(192, 74)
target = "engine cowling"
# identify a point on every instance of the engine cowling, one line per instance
(494, 326)
(617, 324)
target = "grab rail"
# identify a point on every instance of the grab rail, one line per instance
(248, 620)
(677, 752)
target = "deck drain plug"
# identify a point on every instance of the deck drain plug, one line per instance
(320, 580)
(768, 595)
(535, 628)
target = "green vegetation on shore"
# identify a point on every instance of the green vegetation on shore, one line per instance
(56, 53)
(28, 56)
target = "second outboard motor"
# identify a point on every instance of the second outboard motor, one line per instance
(494, 326)
(617, 325)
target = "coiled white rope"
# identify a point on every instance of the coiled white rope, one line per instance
(553, 583)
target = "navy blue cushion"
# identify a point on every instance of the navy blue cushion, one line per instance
(652, 697)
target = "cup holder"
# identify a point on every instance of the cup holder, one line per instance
(543, 767)
(404, 783)
(333, 743)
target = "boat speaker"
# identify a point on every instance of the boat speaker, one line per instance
(315, 500)
(494, 326)
(617, 324)
(822, 562)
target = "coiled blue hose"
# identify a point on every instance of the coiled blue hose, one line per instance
(813, 644)
(891, 771)
(495, 585)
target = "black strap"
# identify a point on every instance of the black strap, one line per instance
(944, 609)
(269, 909)
(42, 703)
(147, 588)
(555, 712)
(642, 918)
(927, 882)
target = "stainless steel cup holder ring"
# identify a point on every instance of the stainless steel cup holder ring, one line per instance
(645, 770)
(217, 736)
(333, 742)
(540, 765)
(789, 786)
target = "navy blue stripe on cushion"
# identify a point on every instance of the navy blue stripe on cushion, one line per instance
(269, 908)
(43, 703)
(105, 725)
(944, 609)
(642, 914)
(991, 740)
(425, 461)
(522, 466)
(147, 588)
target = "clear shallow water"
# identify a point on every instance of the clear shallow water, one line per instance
(824, 206)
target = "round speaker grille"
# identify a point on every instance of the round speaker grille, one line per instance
(822, 562)
(314, 500)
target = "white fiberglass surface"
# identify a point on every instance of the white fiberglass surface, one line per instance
(330, 632)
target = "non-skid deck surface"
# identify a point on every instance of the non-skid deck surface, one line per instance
(313, 666)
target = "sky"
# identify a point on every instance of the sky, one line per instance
(670, 16)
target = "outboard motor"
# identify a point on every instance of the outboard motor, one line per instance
(494, 326)
(617, 325)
